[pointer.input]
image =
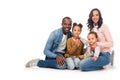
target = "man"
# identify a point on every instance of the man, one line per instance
(55, 47)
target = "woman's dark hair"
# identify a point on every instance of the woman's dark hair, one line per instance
(92, 32)
(75, 24)
(90, 22)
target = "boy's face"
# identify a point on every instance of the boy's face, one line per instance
(76, 31)
(66, 25)
(92, 39)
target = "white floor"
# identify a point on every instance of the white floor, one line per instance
(53, 74)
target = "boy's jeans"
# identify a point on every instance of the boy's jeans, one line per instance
(89, 64)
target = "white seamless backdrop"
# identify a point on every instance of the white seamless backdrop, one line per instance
(26, 24)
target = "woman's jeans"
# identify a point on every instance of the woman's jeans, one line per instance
(72, 62)
(51, 63)
(89, 64)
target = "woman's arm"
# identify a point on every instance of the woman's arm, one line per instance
(108, 38)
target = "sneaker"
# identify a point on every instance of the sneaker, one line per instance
(32, 63)
(112, 58)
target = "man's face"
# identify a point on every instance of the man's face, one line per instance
(66, 25)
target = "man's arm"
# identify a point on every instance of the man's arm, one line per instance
(49, 44)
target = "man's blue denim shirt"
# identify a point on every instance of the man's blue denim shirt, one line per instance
(53, 42)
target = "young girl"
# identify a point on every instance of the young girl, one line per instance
(92, 50)
(105, 42)
(75, 47)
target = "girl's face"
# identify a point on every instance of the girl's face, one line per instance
(95, 17)
(76, 31)
(92, 39)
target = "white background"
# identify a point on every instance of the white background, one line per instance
(26, 24)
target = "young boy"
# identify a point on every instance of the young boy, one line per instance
(92, 50)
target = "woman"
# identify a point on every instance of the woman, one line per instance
(105, 42)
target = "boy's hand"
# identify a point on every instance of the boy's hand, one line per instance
(94, 58)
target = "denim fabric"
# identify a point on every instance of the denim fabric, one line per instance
(53, 42)
(89, 64)
(51, 63)
(50, 50)
(72, 62)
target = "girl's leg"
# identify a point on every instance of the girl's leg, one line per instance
(76, 62)
(89, 64)
(70, 63)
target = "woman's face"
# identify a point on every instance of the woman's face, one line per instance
(95, 17)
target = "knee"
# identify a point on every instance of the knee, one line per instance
(70, 63)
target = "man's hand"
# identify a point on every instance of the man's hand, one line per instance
(60, 60)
